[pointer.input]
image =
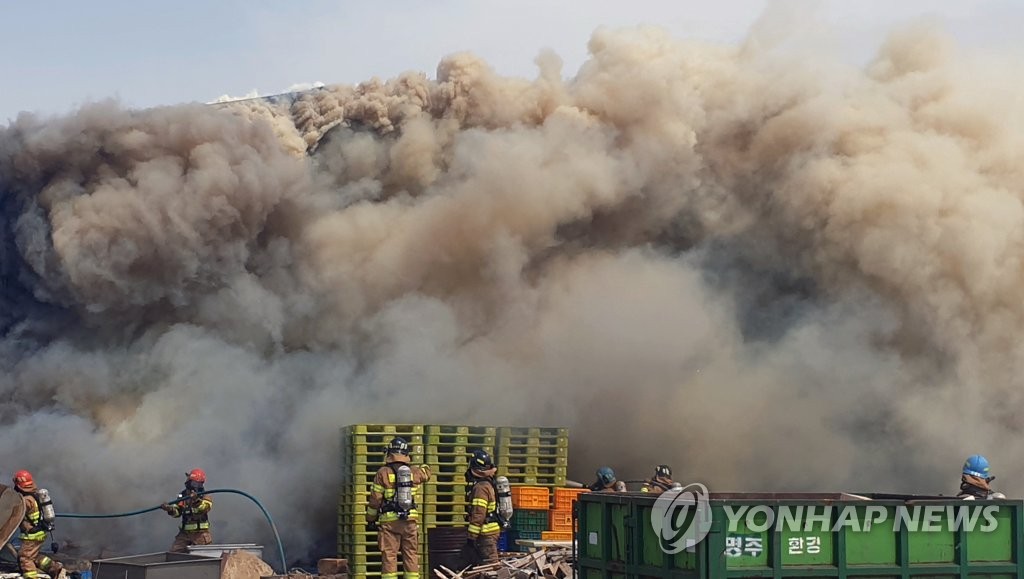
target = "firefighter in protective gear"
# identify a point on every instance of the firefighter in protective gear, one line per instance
(397, 528)
(606, 482)
(193, 508)
(661, 482)
(33, 531)
(975, 480)
(484, 522)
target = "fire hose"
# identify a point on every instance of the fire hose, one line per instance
(273, 527)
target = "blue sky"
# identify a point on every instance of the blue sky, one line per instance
(60, 54)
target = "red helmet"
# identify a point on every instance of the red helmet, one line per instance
(23, 479)
(197, 475)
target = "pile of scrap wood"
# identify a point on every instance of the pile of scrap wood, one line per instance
(546, 564)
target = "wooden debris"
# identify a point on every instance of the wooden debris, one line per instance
(332, 566)
(542, 564)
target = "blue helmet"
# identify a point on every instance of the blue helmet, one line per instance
(606, 475)
(977, 465)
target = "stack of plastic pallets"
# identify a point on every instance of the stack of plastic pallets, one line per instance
(362, 454)
(529, 456)
(447, 450)
(533, 456)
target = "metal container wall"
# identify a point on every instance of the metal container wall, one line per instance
(157, 566)
(616, 540)
(217, 551)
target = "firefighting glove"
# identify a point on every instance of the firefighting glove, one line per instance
(372, 526)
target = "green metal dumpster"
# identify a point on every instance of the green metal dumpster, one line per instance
(779, 535)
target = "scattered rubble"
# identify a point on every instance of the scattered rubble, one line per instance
(546, 564)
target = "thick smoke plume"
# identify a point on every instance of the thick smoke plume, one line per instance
(771, 271)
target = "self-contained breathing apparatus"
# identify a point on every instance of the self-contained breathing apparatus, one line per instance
(47, 514)
(401, 502)
(504, 491)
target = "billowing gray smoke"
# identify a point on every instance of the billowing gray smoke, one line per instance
(769, 271)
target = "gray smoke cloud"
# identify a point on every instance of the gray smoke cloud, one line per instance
(771, 270)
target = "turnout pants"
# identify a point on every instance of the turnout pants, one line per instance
(487, 548)
(481, 551)
(32, 561)
(183, 540)
(399, 536)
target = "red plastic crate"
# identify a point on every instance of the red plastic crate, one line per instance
(560, 521)
(533, 498)
(565, 497)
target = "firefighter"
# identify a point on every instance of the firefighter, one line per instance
(661, 482)
(484, 522)
(193, 508)
(975, 480)
(391, 510)
(33, 531)
(606, 482)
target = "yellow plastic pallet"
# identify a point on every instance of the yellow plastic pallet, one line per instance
(437, 519)
(529, 469)
(459, 459)
(446, 449)
(532, 459)
(354, 537)
(535, 480)
(502, 452)
(533, 431)
(459, 439)
(447, 478)
(458, 470)
(532, 442)
(351, 460)
(372, 449)
(445, 491)
(442, 498)
(383, 429)
(460, 429)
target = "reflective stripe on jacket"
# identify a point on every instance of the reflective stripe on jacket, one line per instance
(382, 492)
(483, 510)
(194, 518)
(32, 520)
